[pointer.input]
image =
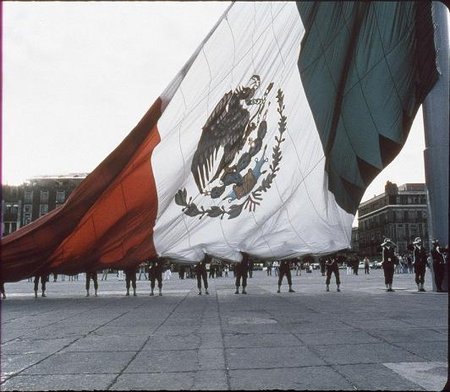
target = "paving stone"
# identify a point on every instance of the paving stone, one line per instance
(288, 378)
(82, 362)
(255, 358)
(59, 382)
(375, 377)
(364, 353)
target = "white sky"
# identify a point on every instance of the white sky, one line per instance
(79, 76)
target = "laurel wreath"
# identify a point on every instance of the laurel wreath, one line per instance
(252, 200)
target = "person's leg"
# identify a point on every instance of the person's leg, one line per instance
(205, 282)
(43, 284)
(238, 282)
(36, 285)
(338, 280)
(280, 280)
(94, 278)
(127, 283)
(152, 284)
(289, 279)
(133, 283)
(199, 282)
(88, 282)
(244, 283)
(328, 279)
(160, 284)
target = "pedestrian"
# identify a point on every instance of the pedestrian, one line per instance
(322, 266)
(142, 268)
(155, 274)
(105, 274)
(285, 269)
(388, 262)
(167, 272)
(251, 265)
(226, 269)
(366, 266)
(438, 265)
(130, 280)
(332, 267)
(44, 279)
(91, 274)
(201, 273)
(420, 263)
(269, 269)
(181, 271)
(241, 270)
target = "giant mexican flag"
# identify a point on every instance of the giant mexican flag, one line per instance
(264, 142)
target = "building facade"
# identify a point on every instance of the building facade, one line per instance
(36, 197)
(400, 213)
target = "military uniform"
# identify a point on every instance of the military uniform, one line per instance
(332, 266)
(155, 273)
(130, 279)
(200, 272)
(241, 272)
(420, 263)
(285, 269)
(91, 275)
(388, 263)
(44, 279)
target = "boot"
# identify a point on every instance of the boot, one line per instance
(387, 287)
(243, 291)
(291, 290)
(43, 293)
(206, 292)
(338, 289)
(96, 293)
(418, 287)
(390, 287)
(160, 292)
(421, 287)
(128, 292)
(237, 290)
(328, 287)
(151, 292)
(134, 293)
(87, 293)
(278, 289)
(200, 292)
(35, 294)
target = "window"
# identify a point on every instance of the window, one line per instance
(28, 197)
(26, 219)
(44, 197)
(60, 196)
(27, 209)
(43, 209)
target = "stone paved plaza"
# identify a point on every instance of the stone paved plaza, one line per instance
(361, 338)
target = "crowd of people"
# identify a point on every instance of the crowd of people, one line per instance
(159, 269)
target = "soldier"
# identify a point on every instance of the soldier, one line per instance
(130, 279)
(285, 269)
(332, 267)
(200, 272)
(44, 279)
(420, 263)
(388, 262)
(438, 265)
(241, 271)
(155, 273)
(91, 275)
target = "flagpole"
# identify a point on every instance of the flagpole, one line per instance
(436, 126)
